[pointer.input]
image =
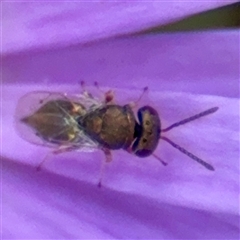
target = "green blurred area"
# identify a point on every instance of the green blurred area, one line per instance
(219, 18)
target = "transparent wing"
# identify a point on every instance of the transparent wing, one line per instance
(49, 119)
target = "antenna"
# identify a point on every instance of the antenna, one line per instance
(184, 121)
(187, 120)
(158, 158)
(203, 163)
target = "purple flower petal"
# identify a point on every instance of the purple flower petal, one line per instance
(186, 73)
(174, 62)
(143, 200)
(34, 25)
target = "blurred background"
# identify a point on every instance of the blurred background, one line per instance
(219, 18)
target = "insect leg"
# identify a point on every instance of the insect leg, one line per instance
(197, 159)
(108, 158)
(159, 159)
(61, 149)
(39, 167)
(135, 103)
(108, 96)
(84, 91)
(187, 120)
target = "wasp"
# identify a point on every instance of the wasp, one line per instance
(85, 123)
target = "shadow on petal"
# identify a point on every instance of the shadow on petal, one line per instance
(58, 207)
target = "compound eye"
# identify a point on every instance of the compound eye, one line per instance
(148, 137)
(143, 153)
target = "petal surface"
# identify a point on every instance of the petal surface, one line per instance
(186, 74)
(44, 25)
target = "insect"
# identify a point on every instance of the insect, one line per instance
(85, 123)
